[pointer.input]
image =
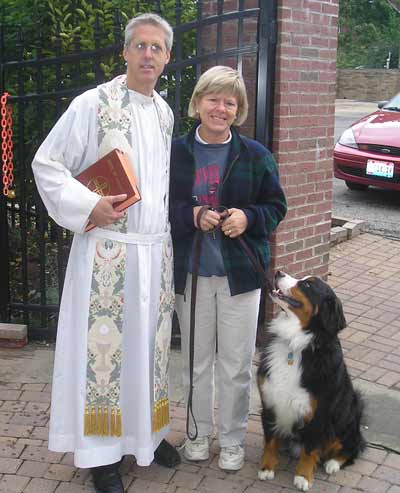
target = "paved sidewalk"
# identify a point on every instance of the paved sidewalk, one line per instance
(365, 273)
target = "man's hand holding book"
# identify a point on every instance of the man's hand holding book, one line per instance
(104, 212)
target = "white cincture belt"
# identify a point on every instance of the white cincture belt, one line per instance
(135, 238)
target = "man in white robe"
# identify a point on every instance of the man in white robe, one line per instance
(118, 289)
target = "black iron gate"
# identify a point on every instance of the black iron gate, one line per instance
(42, 82)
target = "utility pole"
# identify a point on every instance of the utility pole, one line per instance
(395, 4)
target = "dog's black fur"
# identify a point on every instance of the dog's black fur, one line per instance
(329, 429)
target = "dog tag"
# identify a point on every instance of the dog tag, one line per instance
(290, 358)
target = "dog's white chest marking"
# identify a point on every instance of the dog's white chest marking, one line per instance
(281, 389)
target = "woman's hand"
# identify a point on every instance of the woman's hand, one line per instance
(235, 223)
(208, 220)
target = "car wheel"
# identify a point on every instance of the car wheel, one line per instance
(356, 186)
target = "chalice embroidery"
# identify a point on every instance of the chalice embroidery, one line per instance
(103, 347)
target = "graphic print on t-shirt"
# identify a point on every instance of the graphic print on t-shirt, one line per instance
(206, 184)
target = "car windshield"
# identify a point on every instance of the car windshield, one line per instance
(393, 104)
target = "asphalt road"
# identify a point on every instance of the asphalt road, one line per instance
(379, 208)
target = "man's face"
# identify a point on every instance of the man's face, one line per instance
(146, 57)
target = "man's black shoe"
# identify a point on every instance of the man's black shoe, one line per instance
(166, 455)
(106, 479)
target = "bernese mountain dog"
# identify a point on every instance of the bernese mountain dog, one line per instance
(307, 396)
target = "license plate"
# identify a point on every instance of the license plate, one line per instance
(380, 168)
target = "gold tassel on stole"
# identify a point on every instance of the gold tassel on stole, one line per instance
(160, 414)
(112, 433)
(118, 428)
(155, 417)
(86, 430)
(99, 427)
(93, 427)
(98, 421)
(106, 428)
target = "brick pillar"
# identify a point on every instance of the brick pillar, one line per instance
(303, 132)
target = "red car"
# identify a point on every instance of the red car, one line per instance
(368, 153)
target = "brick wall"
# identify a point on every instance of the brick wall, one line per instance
(303, 132)
(367, 84)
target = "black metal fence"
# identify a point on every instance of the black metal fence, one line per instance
(42, 82)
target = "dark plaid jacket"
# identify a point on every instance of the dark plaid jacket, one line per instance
(250, 183)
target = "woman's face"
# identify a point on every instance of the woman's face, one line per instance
(217, 112)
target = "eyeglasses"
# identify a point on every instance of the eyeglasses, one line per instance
(155, 48)
(215, 101)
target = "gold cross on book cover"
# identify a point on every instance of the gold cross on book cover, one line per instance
(112, 175)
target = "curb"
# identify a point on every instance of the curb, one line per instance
(344, 229)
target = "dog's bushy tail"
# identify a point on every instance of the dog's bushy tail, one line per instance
(355, 443)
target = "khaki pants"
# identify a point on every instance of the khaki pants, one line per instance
(230, 322)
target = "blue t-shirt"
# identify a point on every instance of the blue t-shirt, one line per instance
(211, 161)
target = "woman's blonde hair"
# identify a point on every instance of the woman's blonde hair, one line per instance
(220, 79)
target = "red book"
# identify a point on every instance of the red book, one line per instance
(111, 175)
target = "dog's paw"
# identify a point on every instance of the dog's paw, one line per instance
(332, 466)
(301, 483)
(265, 474)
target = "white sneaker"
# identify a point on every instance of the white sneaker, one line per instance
(231, 458)
(198, 449)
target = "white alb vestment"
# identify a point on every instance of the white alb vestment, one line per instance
(72, 146)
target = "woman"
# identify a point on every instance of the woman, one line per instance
(213, 165)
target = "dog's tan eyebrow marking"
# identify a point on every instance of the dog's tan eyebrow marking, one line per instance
(306, 311)
(308, 278)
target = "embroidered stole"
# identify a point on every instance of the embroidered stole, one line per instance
(103, 414)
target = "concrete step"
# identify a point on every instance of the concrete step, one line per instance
(13, 335)
(344, 229)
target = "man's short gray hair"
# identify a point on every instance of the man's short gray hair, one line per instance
(152, 19)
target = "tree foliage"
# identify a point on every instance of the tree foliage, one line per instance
(81, 18)
(48, 28)
(368, 31)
